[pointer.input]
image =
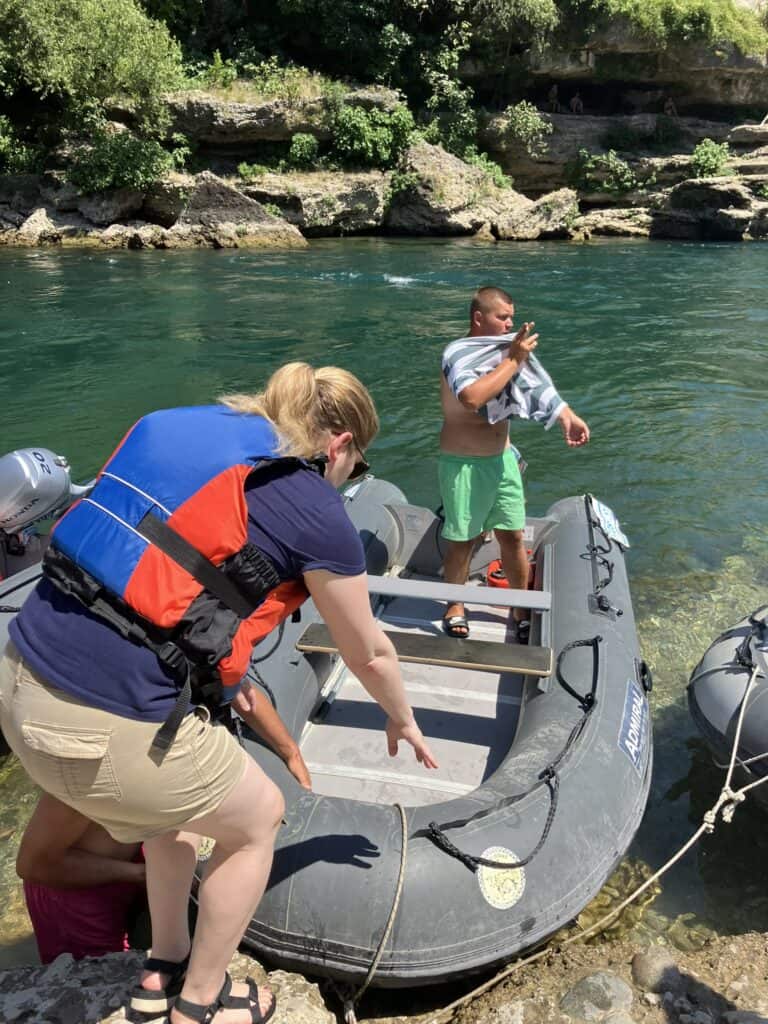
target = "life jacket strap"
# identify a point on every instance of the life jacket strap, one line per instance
(197, 565)
(166, 734)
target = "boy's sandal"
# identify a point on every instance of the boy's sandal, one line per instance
(456, 626)
(157, 1003)
(226, 1001)
(523, 631)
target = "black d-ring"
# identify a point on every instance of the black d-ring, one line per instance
(645, 676)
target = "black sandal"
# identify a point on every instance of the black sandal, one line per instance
(456, 626)
(156, 1003)
(226, 1001)
(522, 630)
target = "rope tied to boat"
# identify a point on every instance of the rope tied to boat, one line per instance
(350, 1000)
(725, 806)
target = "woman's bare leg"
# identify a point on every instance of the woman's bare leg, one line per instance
(171, 860)
(244, 826)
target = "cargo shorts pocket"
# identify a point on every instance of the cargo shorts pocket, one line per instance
(76, 760)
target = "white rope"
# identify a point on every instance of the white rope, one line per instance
(349, 1004)
(725, 806)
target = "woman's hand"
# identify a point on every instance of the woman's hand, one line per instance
(411, 734)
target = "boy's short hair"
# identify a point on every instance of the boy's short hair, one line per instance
(485, 297)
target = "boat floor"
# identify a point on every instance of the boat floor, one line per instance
(469, 718)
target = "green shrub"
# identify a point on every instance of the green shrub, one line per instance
(273, 208)
(527, 127)
(493, 171)
(119, 160)
(218, 74)
(15, 156)
(371, 138)
(251, 172)
(290, 82)
(304, 151)
(605, 172)
(709, 158)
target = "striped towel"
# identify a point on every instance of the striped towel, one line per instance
(530, 395)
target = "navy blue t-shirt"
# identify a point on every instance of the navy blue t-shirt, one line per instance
(297, 519)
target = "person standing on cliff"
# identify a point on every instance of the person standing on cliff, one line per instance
(488, 377)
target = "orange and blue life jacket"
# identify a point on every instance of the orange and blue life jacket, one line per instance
(159, 548)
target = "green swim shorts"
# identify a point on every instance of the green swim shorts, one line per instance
(480, 493)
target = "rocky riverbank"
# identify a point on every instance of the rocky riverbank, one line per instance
(613, 983)
(233, 204)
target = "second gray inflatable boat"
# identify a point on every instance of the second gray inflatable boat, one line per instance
(718, 686)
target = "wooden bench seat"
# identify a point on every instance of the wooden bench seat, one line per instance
(449, 652)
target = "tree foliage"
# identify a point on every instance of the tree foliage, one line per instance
(688, 21)
(528, 128)
(78, 54)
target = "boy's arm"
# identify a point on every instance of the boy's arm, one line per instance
(257, 711)
(478, 394)
(575, 429)
(47, 853)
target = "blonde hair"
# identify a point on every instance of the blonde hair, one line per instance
(304, 404)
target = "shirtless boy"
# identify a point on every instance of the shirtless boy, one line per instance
(480, 483)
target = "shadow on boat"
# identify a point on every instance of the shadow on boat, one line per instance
(353, 850)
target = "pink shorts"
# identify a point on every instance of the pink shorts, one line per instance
(84, 922)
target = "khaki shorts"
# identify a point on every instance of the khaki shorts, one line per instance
(101, 765)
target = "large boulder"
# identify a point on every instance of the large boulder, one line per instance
(323, 203)
(104, 208)
(164, 201)
(436, 193)
(551, 216)
(214, 121)
(38, 229)
(215, 213)
(622, 222)
(717, 209)
(710, 193)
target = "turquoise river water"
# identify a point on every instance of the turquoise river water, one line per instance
(660, 346)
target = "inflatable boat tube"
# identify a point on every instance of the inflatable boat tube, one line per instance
(716, 690)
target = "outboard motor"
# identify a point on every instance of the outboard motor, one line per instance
(35, 484)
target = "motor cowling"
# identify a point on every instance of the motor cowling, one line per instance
(34, 484)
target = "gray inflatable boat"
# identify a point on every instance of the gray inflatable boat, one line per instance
(544, 749)
(717, 689)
